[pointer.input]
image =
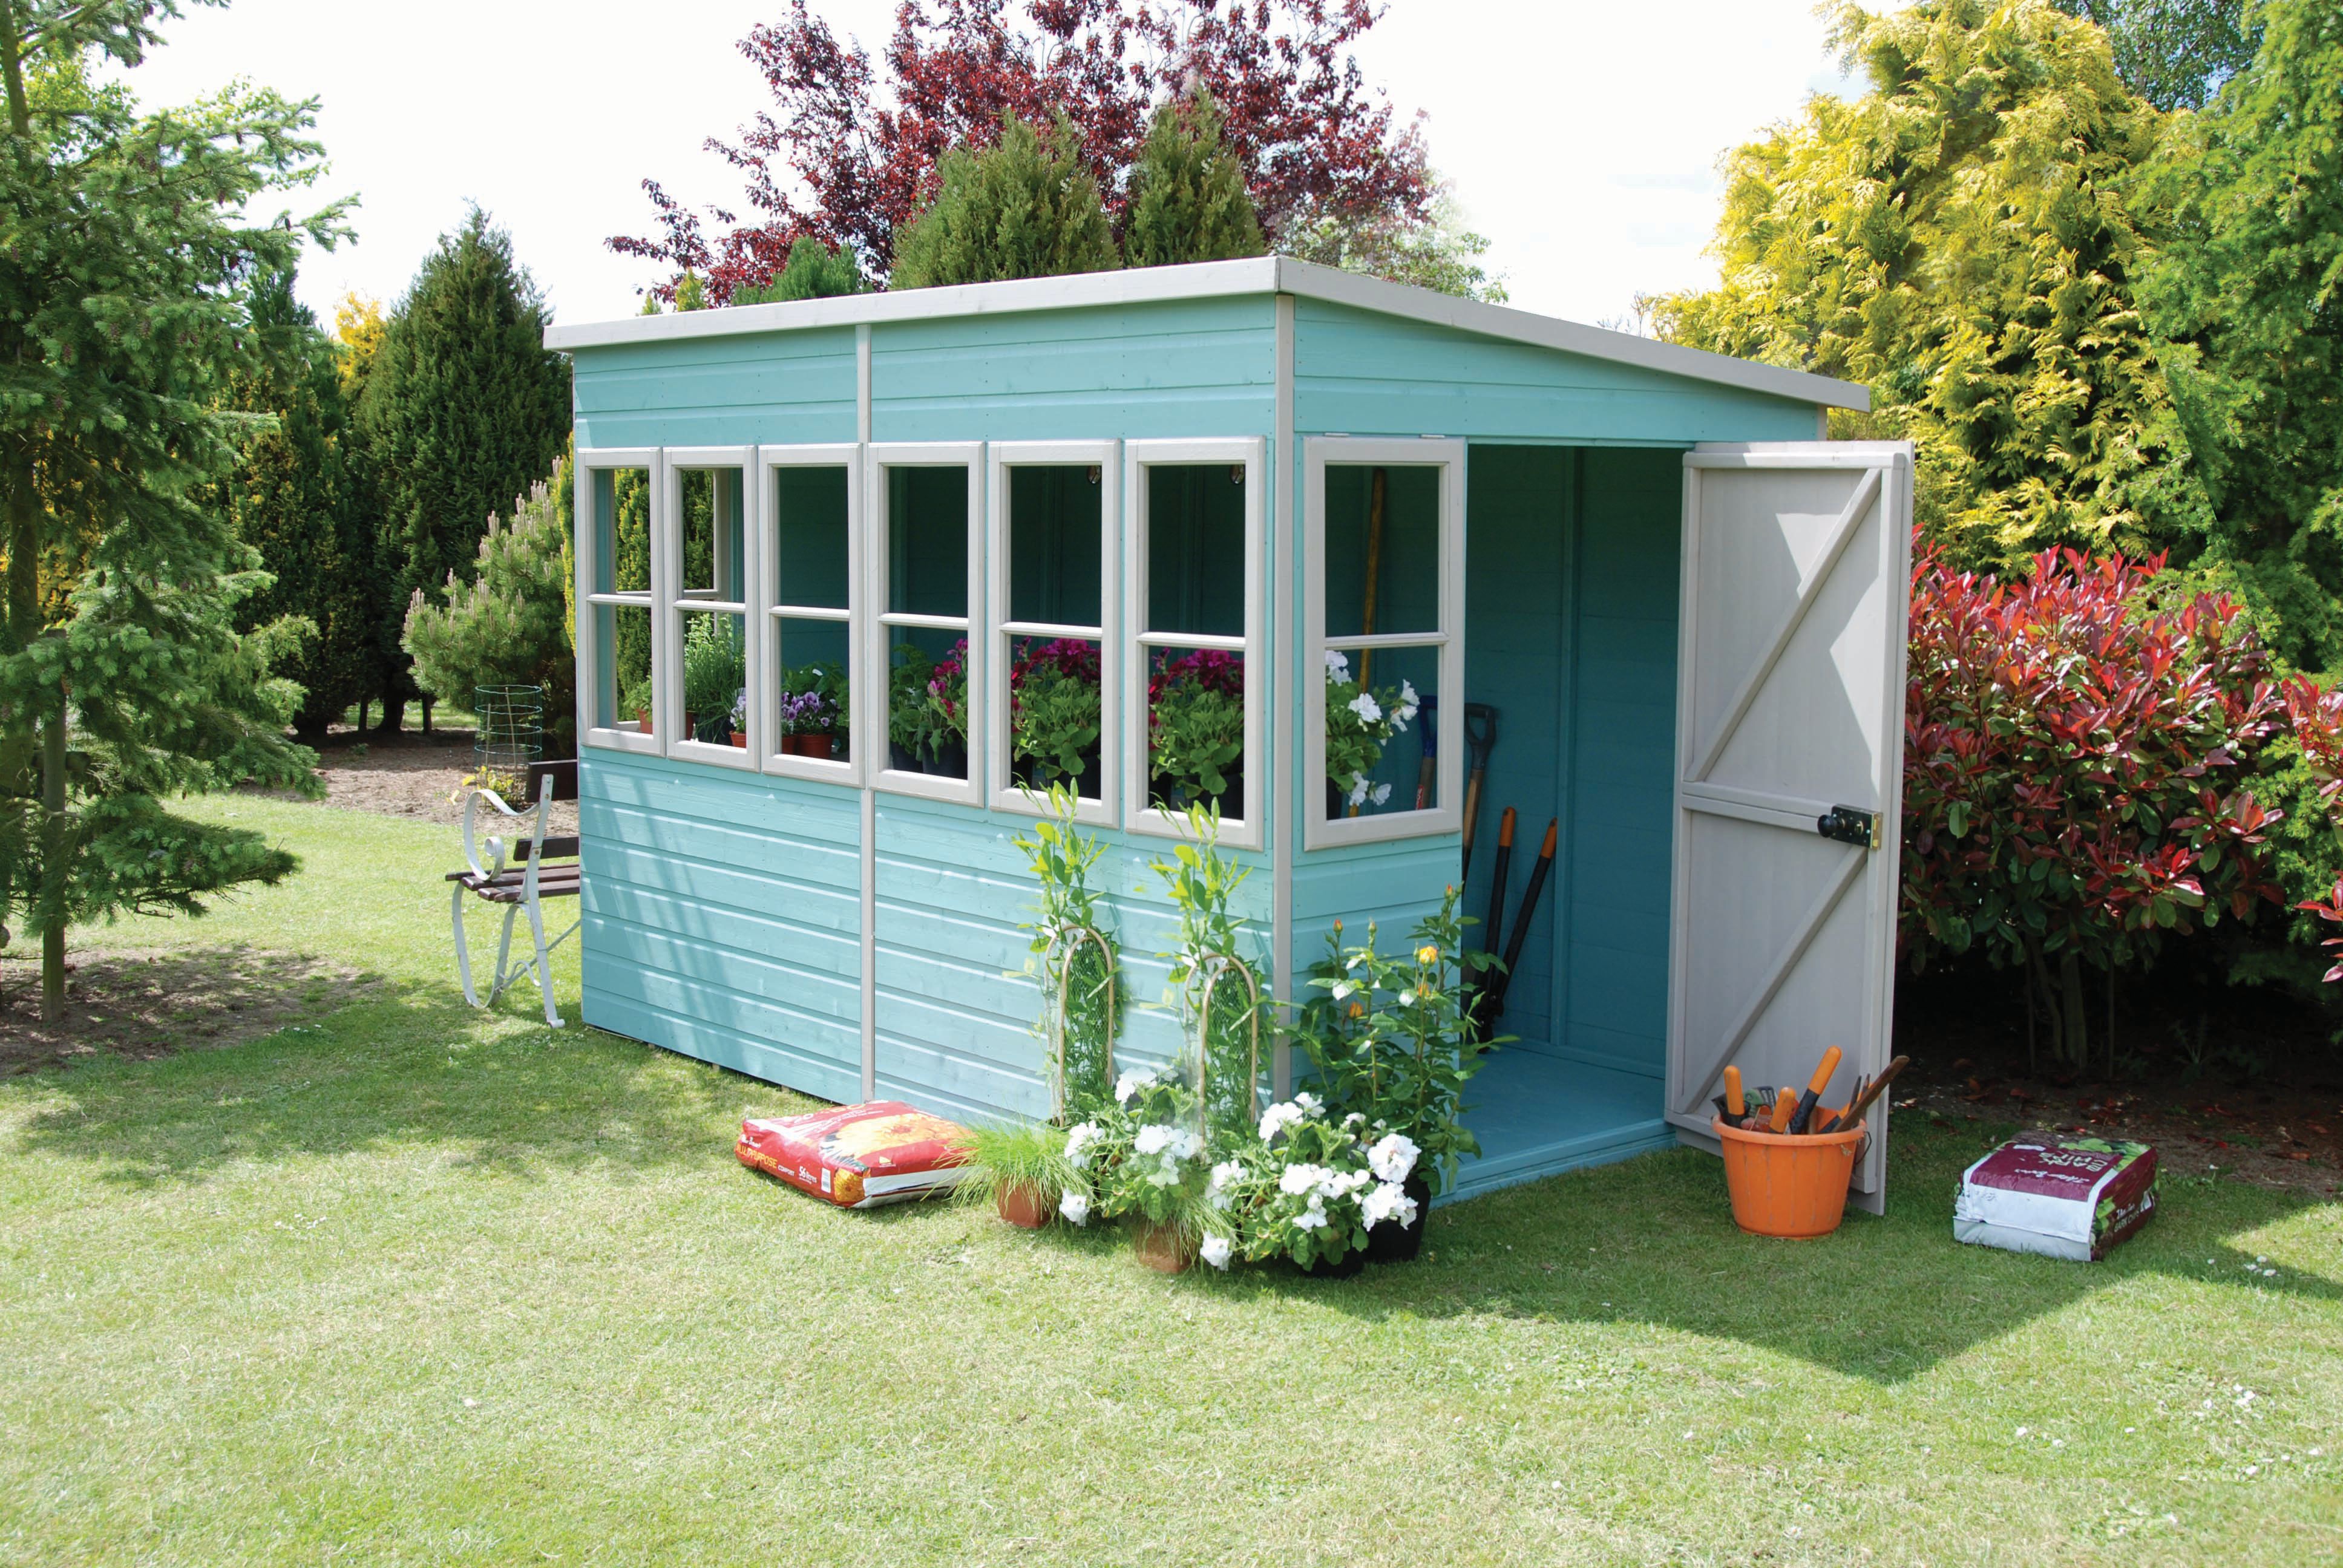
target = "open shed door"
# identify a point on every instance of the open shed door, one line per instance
(1790, 754)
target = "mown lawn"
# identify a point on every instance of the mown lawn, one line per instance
(416, 1285)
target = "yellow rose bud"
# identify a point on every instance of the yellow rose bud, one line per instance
(1358, 1009)
(1427, 954)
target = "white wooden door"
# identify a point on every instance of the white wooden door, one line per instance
(1790, 753)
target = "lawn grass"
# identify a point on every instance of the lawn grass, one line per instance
(418, 1284)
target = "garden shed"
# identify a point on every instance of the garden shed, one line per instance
(1230, 499)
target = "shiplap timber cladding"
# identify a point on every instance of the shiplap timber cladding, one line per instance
(726, 905)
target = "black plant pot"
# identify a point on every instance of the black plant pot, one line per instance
(1347, 1266)
(950, 761)
(1333, 800)
(902, 760)
(1390, 1243)
(1231, 800)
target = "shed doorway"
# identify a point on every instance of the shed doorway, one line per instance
(1571, 622)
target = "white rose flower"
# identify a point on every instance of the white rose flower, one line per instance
(1215, 1251)
(1075, 1208)
(1393, 1158)
(1364, 705)
(1296, 1180)
(1338, 667)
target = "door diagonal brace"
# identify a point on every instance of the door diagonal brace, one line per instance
(1841, 534)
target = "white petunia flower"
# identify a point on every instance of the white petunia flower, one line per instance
(1075, 1208)
(1389, 1200)
(1131, 1083)
(1408, 701)
(1186, 1144)
(1150, 1139)
(1277, 1119)
(1364, 705)
(1310, 1220)
(1215, 1251)
(1337, 1184)
(1392, 1159)
(1296, 1180)
(1338, 667)
(1381, 793)
(1309, 1104)
(1078, 1144)
(1358, 788)
(1352, 1120)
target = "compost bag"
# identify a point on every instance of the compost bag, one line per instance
(2064, 1197)
(858, 1156)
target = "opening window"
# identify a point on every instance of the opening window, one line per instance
(1196, 615)
(928, 504)
(1385, 608)
(1054, 526)
(814, 561)
(618, 658)
(709, 629)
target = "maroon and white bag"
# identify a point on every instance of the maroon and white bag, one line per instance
(2063, 1197)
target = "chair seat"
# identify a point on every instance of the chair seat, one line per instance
(508, 887)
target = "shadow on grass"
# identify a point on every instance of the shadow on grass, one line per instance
(1653, 1242)
(409, 1065)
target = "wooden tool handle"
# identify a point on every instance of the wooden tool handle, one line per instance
(1734, 1106)
(1855, 1113)
(1802, 1120)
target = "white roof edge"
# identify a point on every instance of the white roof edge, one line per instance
(1208, 279)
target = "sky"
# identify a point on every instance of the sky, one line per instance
(1582, 139)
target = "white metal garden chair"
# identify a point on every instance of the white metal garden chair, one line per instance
(514, 872)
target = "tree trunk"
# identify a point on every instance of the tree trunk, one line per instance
(2076, 1046)
(52, 905)
(427, 715)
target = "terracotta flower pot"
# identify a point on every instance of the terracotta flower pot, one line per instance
(1161, 1247)
(1023, 1204)
(643, 718)
(741, 739)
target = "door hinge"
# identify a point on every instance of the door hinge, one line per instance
(1849, 825)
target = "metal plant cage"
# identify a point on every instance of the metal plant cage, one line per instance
(510, 740)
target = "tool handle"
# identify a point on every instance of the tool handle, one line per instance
(1860, 1108)
(1472, 817)
(1734, 1106)
(1803, 1118)
(1784, 1103)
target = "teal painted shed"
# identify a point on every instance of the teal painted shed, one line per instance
(1231, 496)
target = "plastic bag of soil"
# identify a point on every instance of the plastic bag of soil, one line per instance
(857, 1156)
(2061, 1196)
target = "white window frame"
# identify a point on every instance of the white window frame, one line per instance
(768, 612)
(590, 461)
(1003, 455)
(1140, 815)
(1448, 816)
(871, 703)
(667, 546)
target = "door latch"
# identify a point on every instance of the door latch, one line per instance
(1849, 825)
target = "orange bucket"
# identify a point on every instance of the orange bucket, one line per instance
(1785, 1186)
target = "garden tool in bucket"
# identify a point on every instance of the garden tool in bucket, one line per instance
(1788, 1185)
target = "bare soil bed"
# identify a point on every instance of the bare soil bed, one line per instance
(142, 1005)
(407, 774)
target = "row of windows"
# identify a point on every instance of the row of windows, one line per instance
(962, 622)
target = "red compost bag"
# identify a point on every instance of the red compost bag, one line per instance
(857, 1156)
(2064, 1197)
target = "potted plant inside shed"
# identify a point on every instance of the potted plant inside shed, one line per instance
(1359, 721)
(1054, 713)
(1196, 731)
(948, 705)
(715, 671)
(637, 699)
(910, 716)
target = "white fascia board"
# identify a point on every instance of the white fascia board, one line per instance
(1261, 275)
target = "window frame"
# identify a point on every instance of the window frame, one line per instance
(871, 705)
(1000, 457)
(1140, 814)
(1448, 816)
(667, 546)
(588, 462)
(766, 610)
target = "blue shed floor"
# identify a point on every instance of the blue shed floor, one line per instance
(1538, 1115)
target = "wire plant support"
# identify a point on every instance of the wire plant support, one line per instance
(510, 740)
(1072, 941)
(1216, 965)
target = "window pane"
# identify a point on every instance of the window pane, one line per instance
(622, 523)
(927, 701)
(715, 677)
(624, 634)
(1054, 713)
(809, 674)
(713, 544)
(1389, 518)
(1196, 548)
(926, 541)
(810, 528)
(1380, 709)
(1195, 728)
(1055, 544)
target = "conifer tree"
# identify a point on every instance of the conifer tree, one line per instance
(1023, 207)
(290, 498)
(127, 245)
(813, 271)
(1187, 200)
(464, 409)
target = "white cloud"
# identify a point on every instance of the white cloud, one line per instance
(1582, 139)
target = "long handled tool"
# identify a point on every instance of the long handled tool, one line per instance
(1428, 726)
(1497, 878)
(1521, 931)
(1735, 1108)
(1803, 1117)
(1481, 737)
(1854, 1114)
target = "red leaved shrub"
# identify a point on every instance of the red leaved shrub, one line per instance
(2076, 750)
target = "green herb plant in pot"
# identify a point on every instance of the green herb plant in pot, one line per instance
(1196, 740)
(910, 719)
(637, 699)
(715, 673)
